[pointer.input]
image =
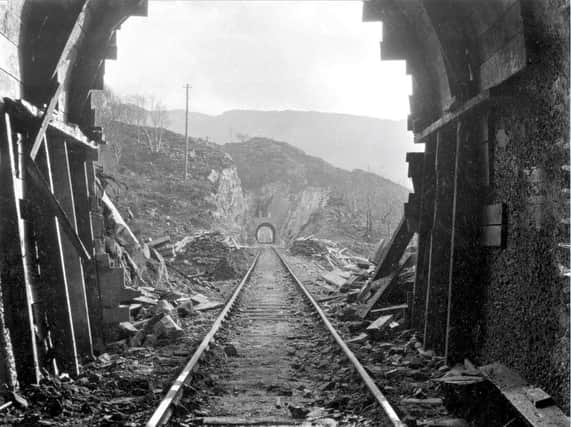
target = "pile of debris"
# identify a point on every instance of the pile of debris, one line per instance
(141, 301)
(208, 253)
(369, 306)
(329, 251)
(351, 278)
(158, 318)
(308, 247)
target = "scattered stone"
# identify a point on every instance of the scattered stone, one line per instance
(199, 299)
(349, 314)
(104, 358)
(167, 327)
(186, 309)
(137, 339)
(376, 329)
(128, 329)
(164, 307)
(358, 339)
(334, 278)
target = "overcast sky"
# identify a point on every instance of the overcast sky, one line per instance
(263, 55)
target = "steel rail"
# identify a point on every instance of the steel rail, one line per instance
(379, 396)
(164, 411)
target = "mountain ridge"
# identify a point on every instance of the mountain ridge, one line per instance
(344, 140)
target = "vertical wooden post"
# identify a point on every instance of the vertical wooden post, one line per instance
(54, 294)
(14, 257)
(62, 188)
(457, 165)
(425, 220)
(82, 192)
(467, 264)
(437, 288)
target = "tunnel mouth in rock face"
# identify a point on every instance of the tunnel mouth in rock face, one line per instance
(266, 233)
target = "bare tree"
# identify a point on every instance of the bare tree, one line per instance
(111, 108)
(138, 112)
(156, 122)
(386, 219)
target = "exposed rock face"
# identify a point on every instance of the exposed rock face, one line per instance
(286, 209)
(162, 200)
(302, 195)
(235, 187)
(229, 199)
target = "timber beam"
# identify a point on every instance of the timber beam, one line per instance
(452, 116)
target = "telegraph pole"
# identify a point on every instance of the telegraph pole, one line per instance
(187, 87)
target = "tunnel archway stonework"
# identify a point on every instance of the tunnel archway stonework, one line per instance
(257, 223)
(478, 70)
(263, 225)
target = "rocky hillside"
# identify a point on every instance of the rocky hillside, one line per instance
(345, 141)
(305, 195)
(150, 184)
(230, 186)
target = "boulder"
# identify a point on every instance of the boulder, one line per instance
(185, 309)
(167, 328)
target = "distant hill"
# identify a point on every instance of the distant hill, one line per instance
(346, 141)
(231, 186)
(304, 195)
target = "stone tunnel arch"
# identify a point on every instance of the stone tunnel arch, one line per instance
(265, 225)
(456, 52)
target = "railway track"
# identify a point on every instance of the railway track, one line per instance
(269, 357)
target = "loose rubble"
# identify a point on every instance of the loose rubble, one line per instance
(377, 332)
(173, 296)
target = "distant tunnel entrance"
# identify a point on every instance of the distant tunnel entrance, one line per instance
(265, 233)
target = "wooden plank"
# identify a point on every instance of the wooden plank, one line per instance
(391, 309)
(386, 283)
(493, 214)
(73, 134)
(531, 403)
(423, 256)
(437, 288)
(469, 257)
(491, 236)
(457, 164)
(78, 170)
(159, 241)
(67, 58)
(58, 152)
(449, 117)
(393, 251)
(15, 274)
(53, 296)
(54, 208)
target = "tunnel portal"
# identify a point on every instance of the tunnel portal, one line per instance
(265, 233)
